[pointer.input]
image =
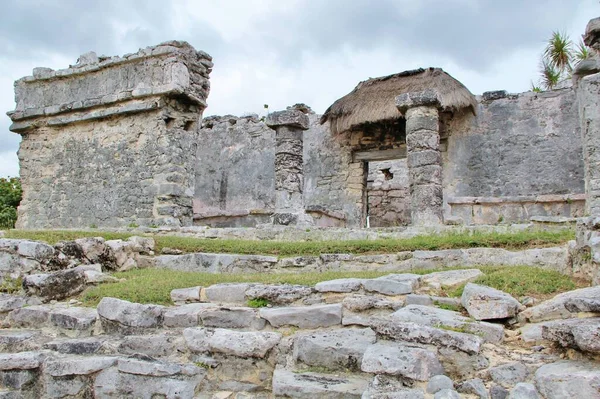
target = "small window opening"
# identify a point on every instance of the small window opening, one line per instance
(387, 174)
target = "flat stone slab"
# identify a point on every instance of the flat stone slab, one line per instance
(74, 318)
(127, 314)
(304, 316)
(232, 317)
(435, 317)
(278, 294)
(568, 379)
(312, 385)
(187, 315)
(55, 286)
(78, 365)
(236, 343)
(184, 295)
(155, 368)
(401, 360)
(30, 316)
(393, 284)
(227, 293)
(412, 332)
(582, 334)
(586, 305)
(20, 361)
(555, 308)
(509, 374)
(486, 303)
(339, 349)
(340, 285)
(451, 278)
(77, 346)
(11, 302)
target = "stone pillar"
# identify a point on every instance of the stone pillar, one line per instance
(423, 156)
(289, 127)
(111, 141)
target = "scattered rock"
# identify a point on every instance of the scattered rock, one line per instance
(509, 374)
(56, 286)
(581, 334)
(447, 394)
(439, 382)
(498, 392)
(568, 379)
(475, 387)
(555, 308)
(401, 360)
(304, 316)
(387, 387)
(524, 390)
(486, 303)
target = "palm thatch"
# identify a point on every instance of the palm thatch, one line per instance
(374, 100)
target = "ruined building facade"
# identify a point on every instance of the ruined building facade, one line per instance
(120, 141)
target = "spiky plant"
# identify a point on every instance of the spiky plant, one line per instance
(550, 76)
(558, 52)
(582, 52)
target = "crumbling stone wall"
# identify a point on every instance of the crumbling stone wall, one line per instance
(111, 141)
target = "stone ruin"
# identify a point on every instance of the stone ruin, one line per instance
(120, 141)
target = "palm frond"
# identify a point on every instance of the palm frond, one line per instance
(558, 52)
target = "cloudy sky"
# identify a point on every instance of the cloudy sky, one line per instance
(280, 52)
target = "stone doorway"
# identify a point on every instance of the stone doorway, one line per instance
(388, 194)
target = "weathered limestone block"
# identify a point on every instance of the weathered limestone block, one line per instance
(397, 359)
(183, 295)
(582, 334)
(56, 286)
(304, 316)
(240, 344)
(340, 349)
(393, 284)
(555, 308)
(312, 385)
(21, 257)
(278, 294)
(383, 386)
(435, 317)
(78, 170)
(127, 317)
(486, 303)
(568, 379)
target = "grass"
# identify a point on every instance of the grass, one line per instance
(511, 241)
(258, 303)
(11, 285)
(155, 285)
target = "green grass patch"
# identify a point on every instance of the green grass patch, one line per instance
(11, 285)
(155, 285)
(258, 303)
(511, 241)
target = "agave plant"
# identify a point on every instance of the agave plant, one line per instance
(558, 52)
(582, 52)
(550, 75)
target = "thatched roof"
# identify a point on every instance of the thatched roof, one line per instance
(374, 100)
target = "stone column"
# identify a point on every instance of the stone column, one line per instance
(423, 155)
(289, 127)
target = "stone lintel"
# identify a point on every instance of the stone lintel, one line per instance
(428, 97)
(291, 117)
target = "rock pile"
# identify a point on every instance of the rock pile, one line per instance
(389, 337)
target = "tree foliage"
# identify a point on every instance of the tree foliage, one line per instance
(10, 198)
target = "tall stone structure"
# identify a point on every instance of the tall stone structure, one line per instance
(423, 155)
(587, 80)
(289, 126)
(111, 141)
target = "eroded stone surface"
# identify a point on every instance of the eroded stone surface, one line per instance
(568, 379)
(486, 303)
(241, 344)
(303, 385)
(127, 316)
(304, 316)
(397, 359)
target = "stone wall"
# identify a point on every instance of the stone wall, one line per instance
(525, 144)
(111, 141)
(388, 194)
(235, 175)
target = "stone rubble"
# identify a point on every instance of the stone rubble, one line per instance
(334, 340)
